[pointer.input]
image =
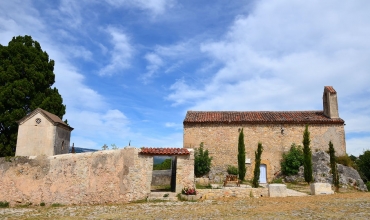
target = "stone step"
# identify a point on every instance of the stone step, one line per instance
(164, 196)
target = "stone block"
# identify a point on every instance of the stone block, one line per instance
(321, 189)
(277, 190)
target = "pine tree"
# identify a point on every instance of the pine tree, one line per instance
(256, 173)
(202, 161)
(26, 80)
(333, 166)
(241, 156)
(307, 156)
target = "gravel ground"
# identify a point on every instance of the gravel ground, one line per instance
(339, 206)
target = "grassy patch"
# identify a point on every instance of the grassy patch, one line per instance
(57, 205)
(198, 186)
(4, 204)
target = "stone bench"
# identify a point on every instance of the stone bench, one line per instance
(277, 190)
(232, 179)
(321, 189)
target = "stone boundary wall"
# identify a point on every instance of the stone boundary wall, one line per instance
(239, 192)
(111, 176)
(222, 142)
(161, 177)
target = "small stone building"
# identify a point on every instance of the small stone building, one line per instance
(42, 133)
(276, 130)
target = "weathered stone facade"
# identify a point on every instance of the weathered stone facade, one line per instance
(42, 133)
(111, 176)
(219, 131)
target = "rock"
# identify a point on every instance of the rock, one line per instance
(322, 173)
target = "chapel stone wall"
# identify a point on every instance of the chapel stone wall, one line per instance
(222, 142)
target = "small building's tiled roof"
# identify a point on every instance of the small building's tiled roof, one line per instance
(51, 117)
(330, 89)
(260, 117)
(164, 151)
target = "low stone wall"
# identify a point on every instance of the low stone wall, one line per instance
(161, 177)
(111, 176)
(239, 192)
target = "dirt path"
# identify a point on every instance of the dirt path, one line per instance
(339, 206)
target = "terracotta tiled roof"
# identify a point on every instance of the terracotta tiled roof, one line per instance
(260, 117)
(330, 89)
(51, 117)
(164, 151)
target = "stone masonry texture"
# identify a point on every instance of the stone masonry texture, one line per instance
(111, 176)
(222, 142)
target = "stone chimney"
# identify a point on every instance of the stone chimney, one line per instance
(330, 102)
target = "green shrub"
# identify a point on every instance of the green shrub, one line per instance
(232, 170)
(42, 204)
(277, 180)
(4, 204)
(292, 160)
(165, 165)
(368, 186)
(56, 205)
(346, 161)
(364, 165)
(202, 161)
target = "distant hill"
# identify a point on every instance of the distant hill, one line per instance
(82, 150)
(159, 159)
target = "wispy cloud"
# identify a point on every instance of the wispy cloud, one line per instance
(154, 6)
(121, 52)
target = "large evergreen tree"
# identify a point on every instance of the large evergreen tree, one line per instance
(333, 166)
(26, 79)
(257, 171)
(241, 156)
(307, 156)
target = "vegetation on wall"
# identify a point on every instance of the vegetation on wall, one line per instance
(26, 82)
(232, 170)
(307, 156)
(241, 156)
(292, 160)
(256, 173)
(165, 165)
(333, 166)
(202, 161)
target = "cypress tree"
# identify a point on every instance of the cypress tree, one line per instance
(241, 156)
(256, 173)
(307, 155)
(333, 165)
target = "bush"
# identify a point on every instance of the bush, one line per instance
(232, 170)
(278, 180)
(346, 161)
(4, 204)
(364, 165)
(292, 160)
(42, 204)
(165, 165)
(202, 161)
(368, 186)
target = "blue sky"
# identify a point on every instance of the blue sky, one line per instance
(130, 69)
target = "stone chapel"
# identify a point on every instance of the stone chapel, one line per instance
(276, 130)
(42, 133)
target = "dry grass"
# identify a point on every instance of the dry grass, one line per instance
(354, 205)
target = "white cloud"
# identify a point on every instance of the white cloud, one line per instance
(121, 53)
(154, 63)
(281, 56)
(156, 7)
(173, 125)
